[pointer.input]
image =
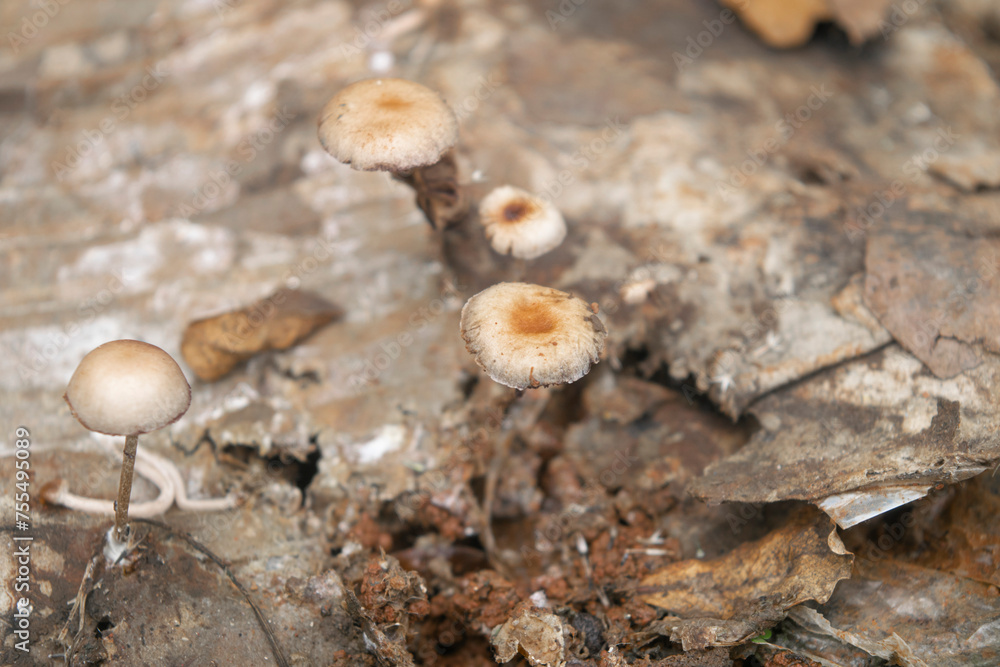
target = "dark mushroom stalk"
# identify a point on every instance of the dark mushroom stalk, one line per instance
(127, 387)
(403, 128)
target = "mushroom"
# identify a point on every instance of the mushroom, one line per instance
(401, 127)
(526, 335)
(127, 387)
(521, 224)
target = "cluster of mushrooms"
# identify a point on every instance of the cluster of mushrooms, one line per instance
(522, 335)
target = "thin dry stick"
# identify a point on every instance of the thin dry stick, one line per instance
(523, 413)
(79, 608)
(279, 656)
(489, 495)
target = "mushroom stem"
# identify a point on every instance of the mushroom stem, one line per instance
(438, 192)
(125, 487)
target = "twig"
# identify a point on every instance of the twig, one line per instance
(279, 656)
(79, 608)
(489, 495)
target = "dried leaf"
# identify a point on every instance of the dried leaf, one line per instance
(214, 346)
(782, 23)
(873, 426)
(862, 19)
(537, 635)
(892, 647)
(790, 23)
(911, 614)
(722, 601)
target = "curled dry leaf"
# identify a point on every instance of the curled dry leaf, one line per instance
(215, 345)
(912, 616)
(727, 600)
(536, 634)
(788, 23)
(782, 23)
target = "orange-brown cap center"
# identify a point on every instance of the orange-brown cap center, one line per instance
(393, 103)
(517, 210)
(533, 318)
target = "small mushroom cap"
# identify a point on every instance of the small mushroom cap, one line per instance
(530, 336)
(387, 125)
(521, 224)
(127, 387)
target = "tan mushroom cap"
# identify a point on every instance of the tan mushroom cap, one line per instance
(521, 224)
(530, 336)
(387, 125)
(127, 387)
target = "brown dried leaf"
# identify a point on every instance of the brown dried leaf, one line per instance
(892, 647)
(790, 23)
(726, 600)
(900, 612)
(959, 521)
(932, 283)
(969, 543)
(871, 425)
(862, 19)
(782, 23)
(215, 345)
(538, 635)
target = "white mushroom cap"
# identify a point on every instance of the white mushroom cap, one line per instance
(127, 387)
(529, 336)
(521, 224)
(387, 125)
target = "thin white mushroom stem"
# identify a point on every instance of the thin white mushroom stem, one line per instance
(168, 468)
(163, 474)
(125, 487)
(62, 496)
